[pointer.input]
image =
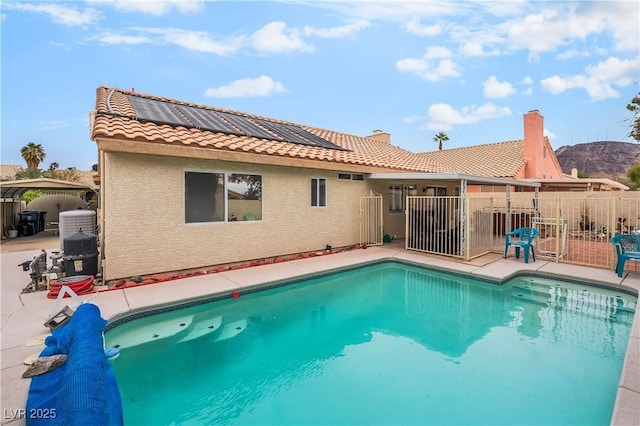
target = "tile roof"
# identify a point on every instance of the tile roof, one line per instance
(8, 171)
(115, 118)
(501, 159)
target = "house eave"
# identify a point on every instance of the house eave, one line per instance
(183, 151)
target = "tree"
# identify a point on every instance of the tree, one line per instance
(634, 107)
(33, 154)
(440, 137)
(28, 174)
(634, 174)
(70, 174)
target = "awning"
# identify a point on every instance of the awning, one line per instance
(15, 188)
(471, 179)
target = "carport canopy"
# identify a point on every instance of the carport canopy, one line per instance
(14, 189)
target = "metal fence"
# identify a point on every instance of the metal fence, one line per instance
(574, 227)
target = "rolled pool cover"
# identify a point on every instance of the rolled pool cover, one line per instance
(84, 390)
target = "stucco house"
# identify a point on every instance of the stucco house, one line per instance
(186, 186)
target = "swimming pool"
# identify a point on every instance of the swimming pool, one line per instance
(388, 343)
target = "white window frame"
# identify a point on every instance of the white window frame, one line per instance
(225, 190)
(318, 200)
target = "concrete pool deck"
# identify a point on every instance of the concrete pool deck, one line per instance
(23, 315)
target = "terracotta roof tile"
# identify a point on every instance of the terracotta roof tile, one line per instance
(115, 118)
(8, 171)
(501, 159)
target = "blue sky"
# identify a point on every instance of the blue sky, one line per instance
(413, 69)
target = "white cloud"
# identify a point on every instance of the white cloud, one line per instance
(59, 13)
(598, 80)
(153, 7)
(548, 133)
(527, 92)
(275, 37)
(570, 54)
(474, 48)
(433, 65)
(247, 88)
(437, 52)
(336, 32)
(195, 40)
(117, 39)
(443, 117)
(414, 27)
(495, 89)
(527, 80)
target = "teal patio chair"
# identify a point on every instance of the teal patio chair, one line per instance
(627, 248)
(521, 238)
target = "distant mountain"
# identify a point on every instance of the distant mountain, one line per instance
(599, 159)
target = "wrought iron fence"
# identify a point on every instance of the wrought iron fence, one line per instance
(574, 227)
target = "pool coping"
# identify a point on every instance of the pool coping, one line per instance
(119, 305)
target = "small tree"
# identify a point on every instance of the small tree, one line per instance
(439, 138)
(634, 174)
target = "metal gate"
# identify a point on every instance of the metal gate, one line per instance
(435, 224)
(371, 226)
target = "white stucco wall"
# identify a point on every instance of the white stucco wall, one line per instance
(144, 229)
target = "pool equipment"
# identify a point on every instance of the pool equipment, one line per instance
(79, 258)
(73, 221)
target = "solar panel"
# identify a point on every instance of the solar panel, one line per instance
(224, 122)
(206, 119)
(295, 134)
(310, 136)
(281, 132)
(246, 126)
(158, 111)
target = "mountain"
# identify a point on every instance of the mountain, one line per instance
(599, 159)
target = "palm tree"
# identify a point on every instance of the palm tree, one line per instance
(33, 154)
(440, 137)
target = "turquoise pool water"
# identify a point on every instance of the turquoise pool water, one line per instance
(383, 344)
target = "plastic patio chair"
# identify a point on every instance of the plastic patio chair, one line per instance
(521, 238)
(627, 248)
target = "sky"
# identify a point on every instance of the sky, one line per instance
(470, 69)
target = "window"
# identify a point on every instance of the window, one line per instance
(397, 196)
(204, 198)
(244, 195)
(350, 176)
(221, 197)
(434, 191)
(396, 199)
(318, 192)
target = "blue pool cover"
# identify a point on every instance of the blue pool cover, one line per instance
(83, 391)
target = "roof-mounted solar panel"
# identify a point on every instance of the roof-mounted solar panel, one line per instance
(158, 111)
(207, 119)
(310, 136)
(247, 126)
(166, 112)
(277, 129)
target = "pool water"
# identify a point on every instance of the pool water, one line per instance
(383, 344)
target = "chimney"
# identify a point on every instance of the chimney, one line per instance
(534, 146)
(574, 173)
(381, 136)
